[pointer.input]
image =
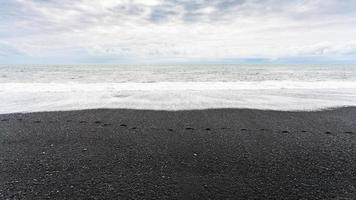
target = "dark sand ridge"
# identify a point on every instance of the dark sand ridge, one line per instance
(216, 154)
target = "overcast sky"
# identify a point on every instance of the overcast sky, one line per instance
(170, 31)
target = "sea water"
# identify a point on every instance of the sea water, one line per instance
(32, 88)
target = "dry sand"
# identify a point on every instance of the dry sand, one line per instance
(208, 154)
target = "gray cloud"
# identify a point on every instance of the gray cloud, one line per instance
(189, 28)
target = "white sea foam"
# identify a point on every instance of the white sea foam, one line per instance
(29, 97)
(173, 86)
(19, 92)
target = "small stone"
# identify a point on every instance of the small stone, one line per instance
(348, 132)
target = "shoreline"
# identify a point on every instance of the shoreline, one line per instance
(192, 154)
(183, 110)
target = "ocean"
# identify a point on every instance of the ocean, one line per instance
(36, 88)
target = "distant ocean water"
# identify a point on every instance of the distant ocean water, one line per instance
(30, 88)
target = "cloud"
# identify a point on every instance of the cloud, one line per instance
(6, 50)
(179, 29)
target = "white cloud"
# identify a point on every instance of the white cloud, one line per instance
(180, 28)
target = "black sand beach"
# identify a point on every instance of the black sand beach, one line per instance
(210, 154)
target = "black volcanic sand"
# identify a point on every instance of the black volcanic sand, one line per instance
(211, 154)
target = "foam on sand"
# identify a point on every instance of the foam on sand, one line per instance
(273, 95)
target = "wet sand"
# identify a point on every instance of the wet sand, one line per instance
(209, 154)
